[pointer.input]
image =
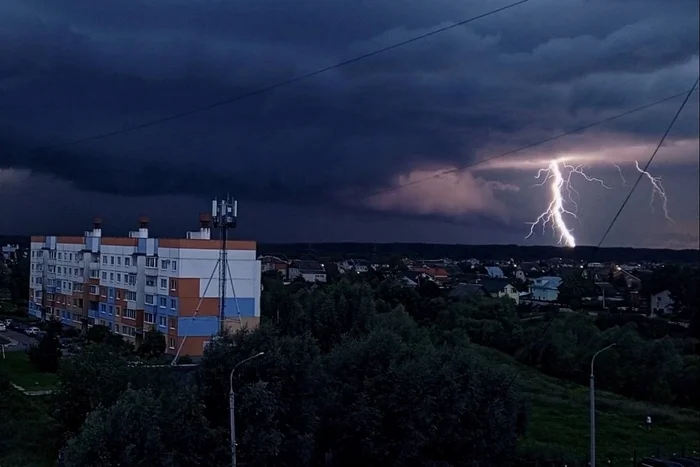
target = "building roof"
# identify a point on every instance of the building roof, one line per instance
(494, 285)
(547, 282)
(309, 267)
(467, 290)
(494, 271)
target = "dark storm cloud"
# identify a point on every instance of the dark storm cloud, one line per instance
(73, 68)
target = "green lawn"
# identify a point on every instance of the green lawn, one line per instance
(21, 372)
(559, 425)
(28, 435)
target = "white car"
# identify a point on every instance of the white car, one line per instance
(33, 331)
(3, 327)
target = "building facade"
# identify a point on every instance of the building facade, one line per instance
(134, 284)
(545, 289)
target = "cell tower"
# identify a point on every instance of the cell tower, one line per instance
(223, 213)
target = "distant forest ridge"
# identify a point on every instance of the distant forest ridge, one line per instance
(382, 251)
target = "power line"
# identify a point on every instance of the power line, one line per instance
(526, 147)
(646, 167)
(280, 84)
(622, 207)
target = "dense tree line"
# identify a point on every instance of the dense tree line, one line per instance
(363, 371)
(346, 379)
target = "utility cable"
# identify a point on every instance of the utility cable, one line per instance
(617, 215)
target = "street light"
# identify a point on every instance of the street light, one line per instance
(592, 462)
(232, 405)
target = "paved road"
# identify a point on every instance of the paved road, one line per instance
(23, 340)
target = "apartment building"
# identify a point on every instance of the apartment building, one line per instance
(136, 283)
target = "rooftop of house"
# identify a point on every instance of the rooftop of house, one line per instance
(494, 285)
(547, 282)
(467, 290)
(309, 266)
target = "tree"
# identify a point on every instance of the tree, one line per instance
(153, 345)
(19, 277)
(103, 335)
(96, 376)
(287, 382)
(143, 429)
(395, 400)
(573, 288)
(47, 355)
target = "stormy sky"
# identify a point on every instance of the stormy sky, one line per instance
(321, 159)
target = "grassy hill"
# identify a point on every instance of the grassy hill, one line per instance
(559, 421)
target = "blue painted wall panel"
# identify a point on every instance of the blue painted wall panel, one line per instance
(246, 305)
(201, 326)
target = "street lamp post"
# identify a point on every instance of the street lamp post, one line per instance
(592, 462)
(232, 406)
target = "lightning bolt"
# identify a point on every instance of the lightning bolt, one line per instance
(657, 189)
(619, 170)
(558, 175)
(561, 190)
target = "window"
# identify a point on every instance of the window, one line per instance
(151, 262)
(164, 283)
(171, 343)
(60, 270)
(104, 259)
(59, 255)
(127, 261)
(173, 303)
(110, 309)
(71, 256)
(119, 294)
(131, 296)
(172, 323)
(103, 308)
(118, 310)
(130, 314)
(93, 289)
(119, 277)
(148, 318)
(173, 284)
(111, 260)
(103, 291)
(174, 264)
(104, 276)
(162, 302)
(111, 276)
(150, 282)
(111, 293)
(164, 263)
(149, 300)
(162, 321)
(119, 260)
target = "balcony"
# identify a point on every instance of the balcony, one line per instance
(130, 305)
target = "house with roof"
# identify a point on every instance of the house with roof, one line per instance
(498, 288)
(545, 288)
(495, 272)
(661, 303)
(310, 271)
(355, 265)
(273, 263)
(461, 291)
(438, 274)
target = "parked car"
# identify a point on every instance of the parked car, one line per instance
(3, 327)
(32, 331)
